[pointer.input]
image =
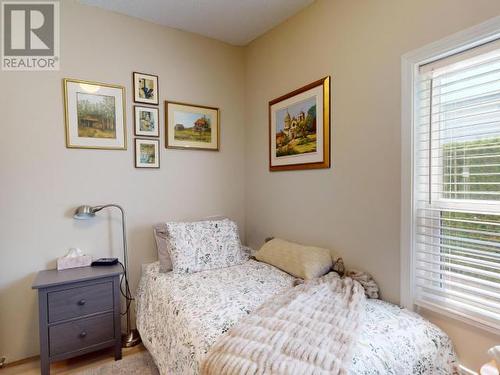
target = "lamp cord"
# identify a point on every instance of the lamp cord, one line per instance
(125, 290)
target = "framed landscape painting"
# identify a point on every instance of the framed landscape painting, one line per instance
(299, 128)
(147, 153)
(146, 121)
(190, 126)
(95, 115)
(145, 88)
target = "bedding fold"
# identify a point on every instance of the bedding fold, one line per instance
(309, 330)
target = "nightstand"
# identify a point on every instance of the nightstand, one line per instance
(79, 312)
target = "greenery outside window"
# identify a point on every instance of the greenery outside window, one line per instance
(457, 197)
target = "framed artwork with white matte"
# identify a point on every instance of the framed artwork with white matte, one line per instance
(299, 128)
(147, 153)
(191, 126)
(146, 121)
(145, 88)
(94, 115)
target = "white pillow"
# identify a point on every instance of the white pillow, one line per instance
(162, 244)
(204, 245)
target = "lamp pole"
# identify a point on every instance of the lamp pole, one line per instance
(131, 338)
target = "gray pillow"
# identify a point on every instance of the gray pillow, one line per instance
(160, 234)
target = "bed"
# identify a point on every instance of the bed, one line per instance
(180, 316)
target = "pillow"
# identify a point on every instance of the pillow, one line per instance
(306, 262)
(204, 245)
(162, 246)
(160, 234)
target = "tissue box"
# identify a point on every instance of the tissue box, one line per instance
(66, 262)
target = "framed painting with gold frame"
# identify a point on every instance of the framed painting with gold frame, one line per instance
(299, 128)
(190, 126)
(94, 115)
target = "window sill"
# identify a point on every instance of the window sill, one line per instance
(450, 313)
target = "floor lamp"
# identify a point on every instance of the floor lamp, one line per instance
(131, 337)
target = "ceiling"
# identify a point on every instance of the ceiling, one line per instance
(237, 22)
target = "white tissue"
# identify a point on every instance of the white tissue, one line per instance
(74, 252)
(74, 258)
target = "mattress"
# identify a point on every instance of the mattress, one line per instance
(181, 316)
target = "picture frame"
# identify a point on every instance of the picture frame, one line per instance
(146, 121)
(146, 88)
(191, 126)
(299, 128)
(94, 115)
(147, 153)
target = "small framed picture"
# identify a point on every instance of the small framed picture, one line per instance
(95, 115)
(299, 128)
(145, 88)
(190, 126)
(146, 121)
(147, 153)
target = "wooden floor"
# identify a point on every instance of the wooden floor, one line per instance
(88, 361)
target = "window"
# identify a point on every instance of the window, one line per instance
(456, 184)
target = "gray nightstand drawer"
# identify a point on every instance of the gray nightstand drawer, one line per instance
(79, 312)
(81, 333)
(76, 302)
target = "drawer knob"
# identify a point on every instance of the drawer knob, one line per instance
(83, 334)
(81, 302)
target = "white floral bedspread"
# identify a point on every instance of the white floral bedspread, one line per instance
(181, 316)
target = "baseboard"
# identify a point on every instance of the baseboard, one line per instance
(21, 361)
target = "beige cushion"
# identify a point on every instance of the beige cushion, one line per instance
(306, 262)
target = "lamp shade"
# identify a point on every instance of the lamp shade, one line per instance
(84, 212)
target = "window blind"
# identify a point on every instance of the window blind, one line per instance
(456, 257)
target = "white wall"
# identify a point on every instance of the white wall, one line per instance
(354, 207)
(42, 181)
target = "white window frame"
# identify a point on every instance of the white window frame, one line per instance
(410, 62)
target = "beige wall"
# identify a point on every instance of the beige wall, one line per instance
(355, 206)
(41, 180)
